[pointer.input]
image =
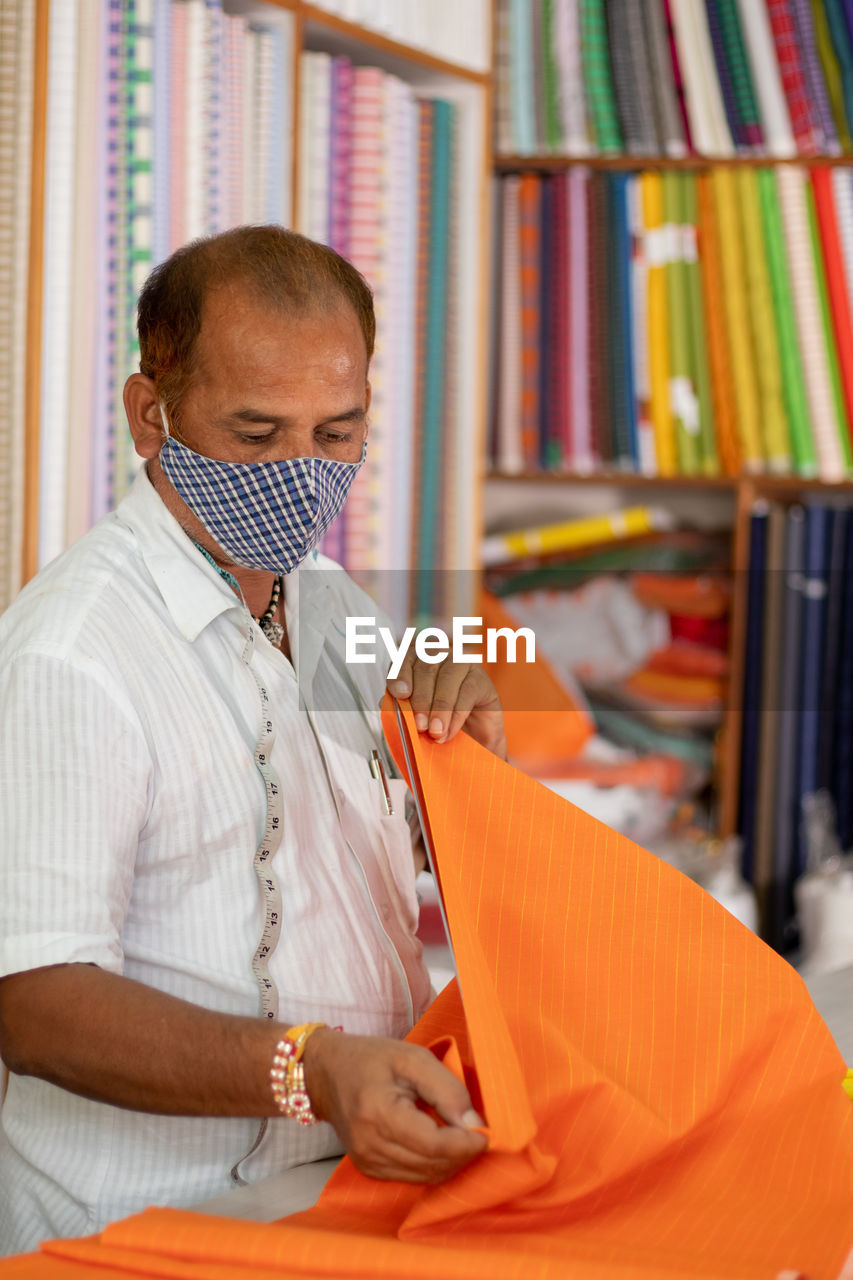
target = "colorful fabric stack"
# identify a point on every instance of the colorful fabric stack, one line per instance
(377, 182)
(16, 111)
(797, 732)
(667, 77)
(167, 119)
(682, 323)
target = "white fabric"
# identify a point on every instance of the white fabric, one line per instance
(132, 808)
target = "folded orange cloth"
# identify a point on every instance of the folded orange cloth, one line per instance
(663, 1099)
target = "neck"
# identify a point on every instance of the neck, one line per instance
(256, 584)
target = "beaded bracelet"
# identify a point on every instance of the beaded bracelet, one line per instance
(287, 1074)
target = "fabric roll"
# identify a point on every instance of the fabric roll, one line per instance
(804, 123)
(831, 72)
(792, 187)
(803, 17)
(530, 234)
(621, 367)
(842, 187)
(535, 10)
(774, 425)
(841, 43)
(656, 241)
(600, 266)
(559, 369)
(598, 76)
(708, 125)
(670, 128)
(677, 76)
(753, 663)
(682, 388)
(550, 80)
(741, 74)
(709, 462)
(522, 83)
(772, 640)
(547, 428)
(742, 351)
(501, 62)
(570, 82)
(724, 74)
(839, 299)
(509, 452)
(839, 421)
(793, 378)
(630, 62)
(580, 285)
(761, 52)
(713, 289)
(640, 330)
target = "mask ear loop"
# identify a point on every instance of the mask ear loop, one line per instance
(163, 418)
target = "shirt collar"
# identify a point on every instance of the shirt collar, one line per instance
(192, 590)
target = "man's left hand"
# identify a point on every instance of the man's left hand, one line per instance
(449, 696)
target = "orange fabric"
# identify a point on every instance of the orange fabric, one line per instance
(544, 723)
(662, 1097)
(682, 659)
(678, 690)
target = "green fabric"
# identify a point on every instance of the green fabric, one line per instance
(840, 36)
(553, 124)
(710, 462)
(829, 336)
(738, 62)
(598, 76)
(793, 376)
(682, 388)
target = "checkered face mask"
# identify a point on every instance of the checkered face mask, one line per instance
(265, 515)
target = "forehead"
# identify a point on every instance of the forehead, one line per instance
(245, 340)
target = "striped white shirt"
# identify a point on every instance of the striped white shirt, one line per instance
(131, 811)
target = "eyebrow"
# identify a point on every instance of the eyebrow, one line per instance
(259, 417)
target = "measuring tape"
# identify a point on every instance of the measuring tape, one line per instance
(265, 852)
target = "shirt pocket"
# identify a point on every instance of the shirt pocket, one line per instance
(396, 839)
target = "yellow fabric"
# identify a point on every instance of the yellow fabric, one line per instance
(651, 192)
(768, 368)
(743, 355)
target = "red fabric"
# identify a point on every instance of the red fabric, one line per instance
(836, 282)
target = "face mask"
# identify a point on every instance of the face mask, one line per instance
(264, 515)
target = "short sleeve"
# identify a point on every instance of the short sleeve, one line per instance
(74, 775)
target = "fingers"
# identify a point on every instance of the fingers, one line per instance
(448, 695)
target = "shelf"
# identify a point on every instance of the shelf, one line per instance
(318, 23)
(516, 164)
(630, 480)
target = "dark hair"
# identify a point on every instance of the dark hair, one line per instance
(288, 270)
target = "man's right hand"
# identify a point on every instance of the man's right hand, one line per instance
(367, 1088)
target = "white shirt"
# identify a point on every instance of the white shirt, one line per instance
(132, 808)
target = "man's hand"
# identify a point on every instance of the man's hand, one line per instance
(448, 696)
(367, 1089)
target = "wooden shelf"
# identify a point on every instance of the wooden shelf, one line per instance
(552, 163)
(762, 485)
(316, 20)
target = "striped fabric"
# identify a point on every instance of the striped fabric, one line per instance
(725, 409)
(803, 17)
(573, 117)
(766, 78)
(628, 1100)
(736, 60)
(598, 76)
(530, 267)
(670, 127)
(724, 73)
(630, 66)
(789, 55)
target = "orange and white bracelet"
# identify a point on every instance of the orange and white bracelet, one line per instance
(287, 1074)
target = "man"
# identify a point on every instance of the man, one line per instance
(197, 851)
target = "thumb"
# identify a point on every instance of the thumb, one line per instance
(444, 1092)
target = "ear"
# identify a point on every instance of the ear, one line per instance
(143, 415)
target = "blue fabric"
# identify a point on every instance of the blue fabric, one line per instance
(752, 686)
(264, 515)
